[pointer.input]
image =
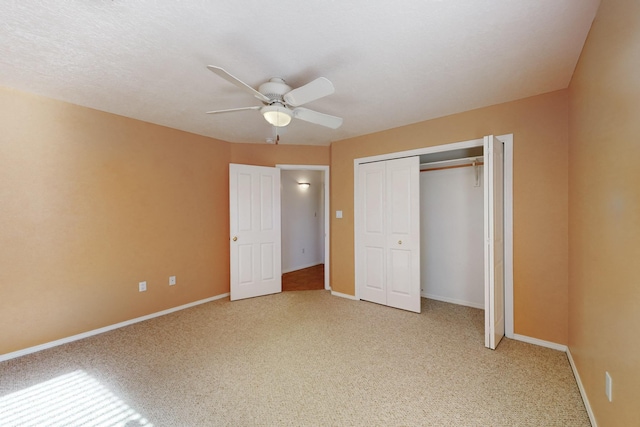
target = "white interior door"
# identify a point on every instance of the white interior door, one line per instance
(388, 266)
(254, 208)
(494, 241)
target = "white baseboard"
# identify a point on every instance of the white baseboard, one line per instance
(301, 267)
(542, 343)
(583, 393)
(87, 334)
(454, 301)
(341, 295)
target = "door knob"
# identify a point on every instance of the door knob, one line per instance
(235, 238)
(399, 242)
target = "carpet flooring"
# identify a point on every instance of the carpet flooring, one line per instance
(294, 359)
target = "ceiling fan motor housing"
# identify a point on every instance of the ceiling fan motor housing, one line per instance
(274, 89)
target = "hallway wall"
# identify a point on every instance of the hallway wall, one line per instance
(302, 219)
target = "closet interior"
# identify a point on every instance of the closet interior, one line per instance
(452, 227)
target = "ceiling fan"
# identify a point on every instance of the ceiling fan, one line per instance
(281, 103)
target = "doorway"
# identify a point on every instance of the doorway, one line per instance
(305, 223)
(506, 211)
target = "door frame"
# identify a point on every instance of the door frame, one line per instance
(327, 212)
(507, 140)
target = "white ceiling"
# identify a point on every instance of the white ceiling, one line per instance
(392, 63)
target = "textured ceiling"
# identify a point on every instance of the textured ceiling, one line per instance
(392, 63)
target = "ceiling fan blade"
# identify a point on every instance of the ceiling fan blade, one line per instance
(230, 110)
(237, 82)
(322, 119)
(316, 89)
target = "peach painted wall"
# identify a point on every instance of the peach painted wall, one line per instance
(92, 203)
(539, 125)
(604, 213)
(271, 155)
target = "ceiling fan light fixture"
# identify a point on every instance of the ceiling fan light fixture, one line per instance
(276, 114)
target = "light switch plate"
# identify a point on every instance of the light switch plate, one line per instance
(338, 214)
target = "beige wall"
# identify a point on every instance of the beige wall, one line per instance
(92, 203)
(271, 155)
(539, 126)
(604, 213)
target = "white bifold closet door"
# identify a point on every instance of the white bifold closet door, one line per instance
(494, 241)
(388, 226)
(255, 241)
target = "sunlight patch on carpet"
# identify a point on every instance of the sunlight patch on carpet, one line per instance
(74, 399)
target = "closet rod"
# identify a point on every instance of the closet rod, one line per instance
(450, 167)
(454, 163)
(469, 160)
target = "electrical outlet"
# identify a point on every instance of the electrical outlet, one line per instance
(608, 384)
(142, 286)
(172, 280)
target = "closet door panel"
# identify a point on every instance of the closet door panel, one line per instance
(374, 273)
(372, 229)
(388, 230)
(399, 199)
(494, 236)
(374, 202)
(399, 279)
(403, 234)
